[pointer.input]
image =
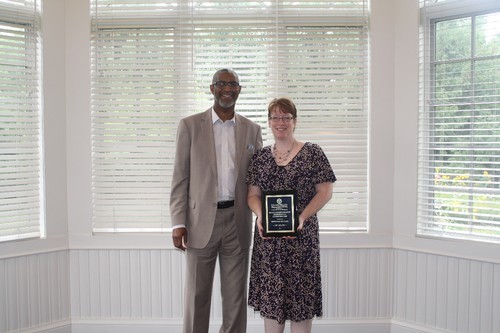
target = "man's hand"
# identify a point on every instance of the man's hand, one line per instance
(179, 236)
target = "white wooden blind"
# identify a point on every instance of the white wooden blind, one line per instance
(459, 132)
(153, 61)
(21, 182)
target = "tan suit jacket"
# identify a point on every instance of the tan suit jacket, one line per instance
(193, 196)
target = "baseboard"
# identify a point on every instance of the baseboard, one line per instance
(61, 327)
(254, 326)
(127, 326)
(407, 327)
(346, 326)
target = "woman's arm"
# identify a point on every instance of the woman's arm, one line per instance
(254, 200)
(320, 199)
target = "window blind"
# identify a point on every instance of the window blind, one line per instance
(152, 64)
(21, 182)
(459, 130)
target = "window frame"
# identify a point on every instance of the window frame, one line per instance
(256, 114)
(431, 16)
(23, 213)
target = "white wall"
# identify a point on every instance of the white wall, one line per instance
(387, 279)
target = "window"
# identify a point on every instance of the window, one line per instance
(152, 63)
(459, 130)
(21, 171)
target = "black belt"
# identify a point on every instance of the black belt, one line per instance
(225, 204)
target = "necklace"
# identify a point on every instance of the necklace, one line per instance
(282, 156)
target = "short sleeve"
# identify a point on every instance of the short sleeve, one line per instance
(323, 170)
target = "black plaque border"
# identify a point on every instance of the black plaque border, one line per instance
(265, 218)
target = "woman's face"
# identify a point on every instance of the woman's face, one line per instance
(281, 123)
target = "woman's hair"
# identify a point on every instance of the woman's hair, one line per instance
(284, 104)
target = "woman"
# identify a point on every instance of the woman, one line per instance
(285, 277)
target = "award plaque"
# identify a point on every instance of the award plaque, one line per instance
(279, 213)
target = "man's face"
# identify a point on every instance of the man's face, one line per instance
(226, 90)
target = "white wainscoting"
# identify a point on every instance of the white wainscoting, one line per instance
(130, 290)
(34, 293)
(446, 294)
(148, 284)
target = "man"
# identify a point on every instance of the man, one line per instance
(208, 204)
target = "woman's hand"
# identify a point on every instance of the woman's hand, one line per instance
(254, 194)
(301, 223)
(259, 225)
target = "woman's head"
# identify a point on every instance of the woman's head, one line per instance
(282, 115)
(283, 104)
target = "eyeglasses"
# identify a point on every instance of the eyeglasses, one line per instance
(286, 119)
(222, 84)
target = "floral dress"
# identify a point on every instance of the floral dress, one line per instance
(285, 275)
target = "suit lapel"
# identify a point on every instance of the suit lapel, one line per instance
(208, 133)
(240, 134)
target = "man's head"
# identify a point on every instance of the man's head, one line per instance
(226, 88)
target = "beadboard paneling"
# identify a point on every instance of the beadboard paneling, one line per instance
(356, 283)
(148, 284)
(446, 293)
(362, 288)
(34, 291)
(133, 284)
